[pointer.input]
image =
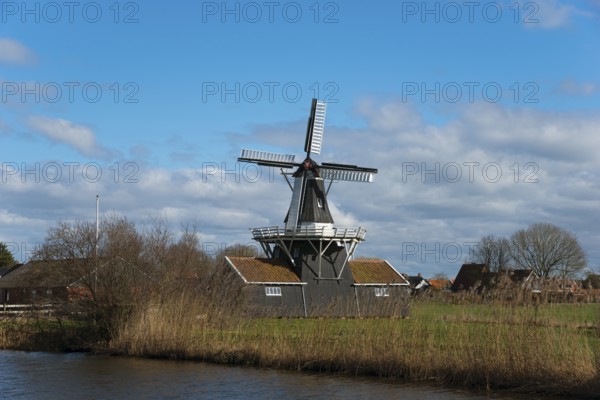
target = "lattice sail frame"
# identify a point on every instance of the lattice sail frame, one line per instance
(316, 128)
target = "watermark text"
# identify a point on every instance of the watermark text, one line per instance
(53, 12)
(246, 172)
(471, 91)
(68, 172)
(71, 92)
(436, 252)
(253, 12)
(271, 92)
(469, 171)
(452, 12)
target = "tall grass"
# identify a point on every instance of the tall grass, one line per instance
(33, 332)
(532, 347)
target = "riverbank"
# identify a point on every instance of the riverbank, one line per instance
(553, 348)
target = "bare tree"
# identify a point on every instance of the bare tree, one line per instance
(68, 241)
(548, 250)
(107, 276)
(187, 265)
(492, 251)
(130, 269)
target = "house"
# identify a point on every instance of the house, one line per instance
(417, 283)
(591, 282)
(469, 276)
(440, 284)
(6, 270)
(477, 277)
(40, 282)
(524, 278)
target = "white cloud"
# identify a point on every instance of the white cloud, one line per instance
(550, 14)
(13, 52)
(79, 137)
(427, 207)
(573, 87)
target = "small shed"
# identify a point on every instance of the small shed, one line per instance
(271, 287)
(379, 289)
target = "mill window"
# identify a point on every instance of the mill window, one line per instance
(273, 291)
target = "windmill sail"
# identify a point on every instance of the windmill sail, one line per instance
(345, 175)
(267, 158)
(316, 127)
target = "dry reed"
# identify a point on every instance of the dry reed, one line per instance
(489, 346)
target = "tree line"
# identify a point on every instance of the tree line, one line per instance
(544, 248)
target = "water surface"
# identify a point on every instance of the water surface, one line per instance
(34, 375)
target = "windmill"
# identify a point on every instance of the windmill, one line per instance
(308, 270)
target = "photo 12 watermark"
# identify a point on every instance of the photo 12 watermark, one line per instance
(436, 252)
(469, 91)
(54, 12)
(23, 251)
(252, 12)
(70, 92)
(454, 12)
(237, 172)
(470, 172)
(268, 91)
(237, 249)
(68, 172)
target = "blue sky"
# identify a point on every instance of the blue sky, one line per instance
(156, 96)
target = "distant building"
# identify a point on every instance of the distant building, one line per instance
(440, 284)
(477, 277)
(40, 282)
(591, 282)
(417, 283)
(468, 276)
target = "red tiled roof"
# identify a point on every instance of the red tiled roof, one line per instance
(263, 270)
(440, 283)
(373, 271)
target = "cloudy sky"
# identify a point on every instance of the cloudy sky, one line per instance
(482, 117)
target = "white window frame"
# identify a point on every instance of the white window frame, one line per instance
(272, 291)
(382, 292)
